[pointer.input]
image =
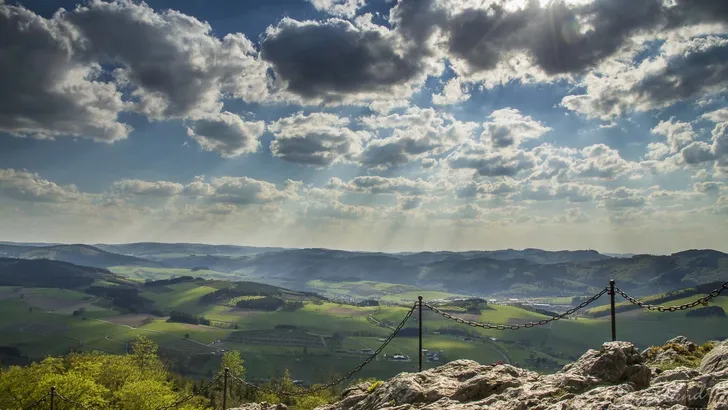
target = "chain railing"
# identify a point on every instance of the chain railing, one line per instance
(53, 395)
(700, 301)
(517, 326)
(348, 375)
(194, 394)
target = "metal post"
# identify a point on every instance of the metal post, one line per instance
(614, 316)
(224, 388)
(53, 396)
(419, 320)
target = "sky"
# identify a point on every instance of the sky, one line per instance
(367, 124)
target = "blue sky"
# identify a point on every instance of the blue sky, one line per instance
(366, 124)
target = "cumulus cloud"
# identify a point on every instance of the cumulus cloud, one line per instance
(488, 163)
(383, 185)
(337, 60)
(623, 198)
(416, 133)
(683, 70)
(709, 187)
(176, 65)
(678, 134)
(340, 8)
(716, 116)
(509, 128)
(571, 192)
(75, 73)
(452, 93)
(46, 91)
(22, 185)
(147, 188)
(317, 139)
(226, 133)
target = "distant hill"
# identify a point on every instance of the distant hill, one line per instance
(531, 255)
(520, 273)
(77, 254)
(161, 251)
(43, 273)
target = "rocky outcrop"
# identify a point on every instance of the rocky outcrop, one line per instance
(715, 360)
(615, 377)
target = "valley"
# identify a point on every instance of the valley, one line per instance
(336, 314)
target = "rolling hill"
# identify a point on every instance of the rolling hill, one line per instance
(43, 273)
(78, 254)
(521, 273)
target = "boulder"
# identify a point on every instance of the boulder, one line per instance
(660, 396)
(719, 397)
(615, 362)
(679, 373)
(716, 360)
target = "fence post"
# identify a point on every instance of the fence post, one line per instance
(53, 396)
(419, 321)
(224, 388)
(614, 315)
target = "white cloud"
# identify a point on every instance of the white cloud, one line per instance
(509, 128)
(382, 185)
(226, 133)
(623, 198)
(22, 185)
(683, 70)
(716, 116)
(340, 8)
(452, 93)
(416, 133)
(489, 163)
(709, 187)
(47, 91)
(147, 188)
(678, 134)
(317, 139)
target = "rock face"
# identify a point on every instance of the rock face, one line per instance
(716, 360)
(616, 377)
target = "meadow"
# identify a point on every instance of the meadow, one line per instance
(41, 322)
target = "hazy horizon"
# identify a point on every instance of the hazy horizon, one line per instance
(603, 252)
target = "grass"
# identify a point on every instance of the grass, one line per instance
(144, 273)
(181, 296)
(560, 341)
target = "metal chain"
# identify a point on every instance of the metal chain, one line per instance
(342, 378)
(714, 293)
(192, 395)
(74, 402)
(43, 398)
(516, 327)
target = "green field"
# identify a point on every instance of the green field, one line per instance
(271, 341)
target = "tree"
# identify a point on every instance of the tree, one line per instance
(233, 361)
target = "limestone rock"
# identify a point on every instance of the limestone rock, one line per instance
(679, 373)
(716, 360)
(615, 362)
(612, 378)
(719, 397)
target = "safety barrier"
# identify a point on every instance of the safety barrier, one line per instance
(53, 396)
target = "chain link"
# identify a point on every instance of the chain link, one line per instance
(342, 378)
(516, 327)
(714, 293)
(74, 402)
(192, 395)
